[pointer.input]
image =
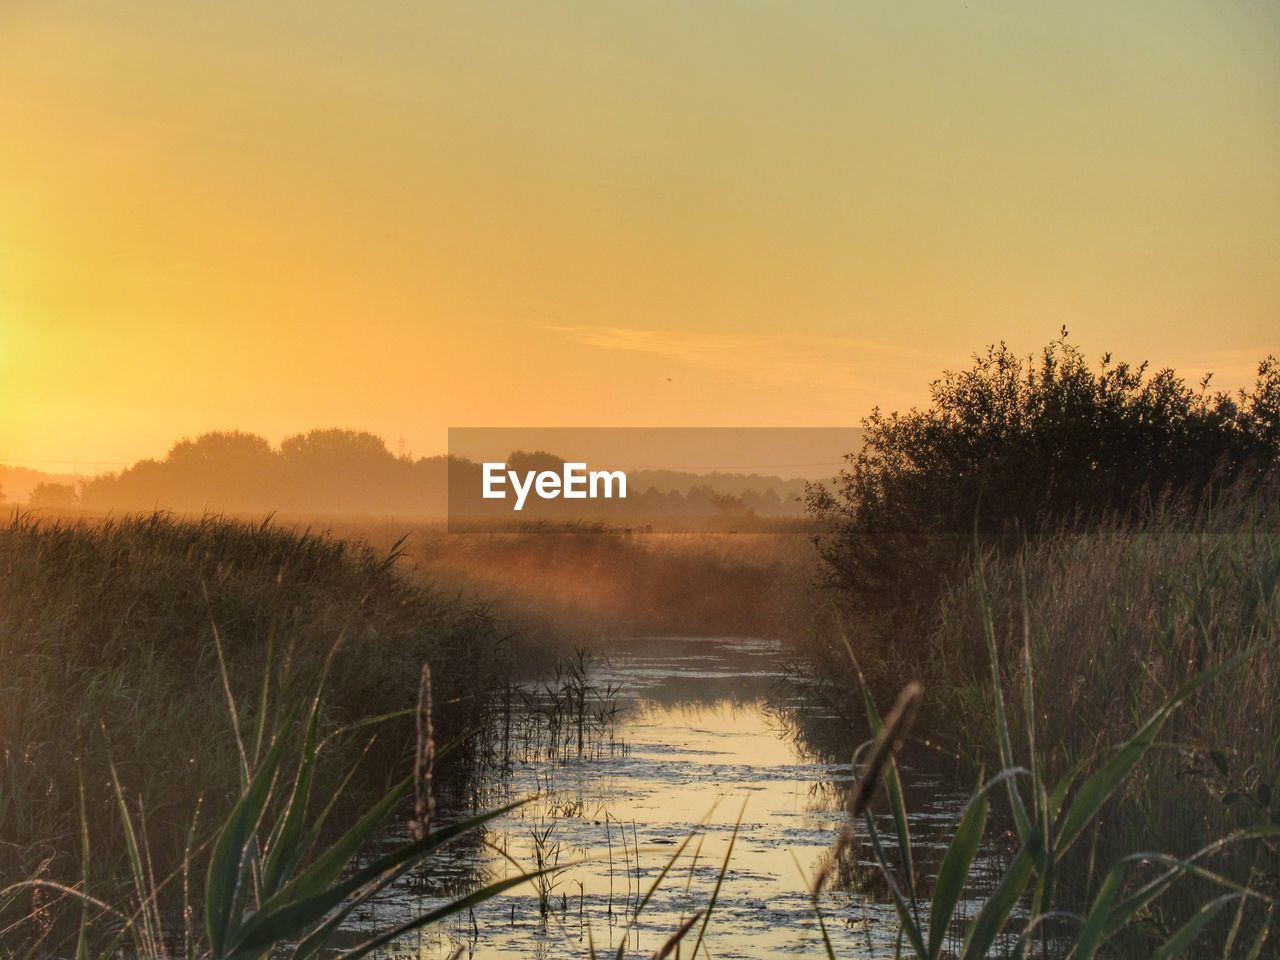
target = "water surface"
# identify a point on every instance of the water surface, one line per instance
(705, 734)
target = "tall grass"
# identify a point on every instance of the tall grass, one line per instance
(1113, 622)
(1123, 684)
(1030, 911)
(115, 691)
(1094, 634)
(271, 886)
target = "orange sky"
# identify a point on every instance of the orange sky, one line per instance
(405, 216)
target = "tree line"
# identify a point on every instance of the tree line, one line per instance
(340, 471)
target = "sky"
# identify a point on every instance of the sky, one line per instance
(406, 216)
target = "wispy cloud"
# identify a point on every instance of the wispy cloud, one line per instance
(827, 363)
(888, 374)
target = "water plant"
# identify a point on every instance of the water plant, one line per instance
(1024, 912)
(275, 884)
(546, 858)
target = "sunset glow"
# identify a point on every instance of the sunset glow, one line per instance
(402, 217)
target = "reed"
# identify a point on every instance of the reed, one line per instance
(1030, 909)
(273, 886)
(1112, 623)
(121, 640)
(1094, 631)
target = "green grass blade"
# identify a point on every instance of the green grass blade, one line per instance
(426, 919)
(1264, 929)
(897, 803)
(82, 940)
(226, 879)
(822, 928)
(994, 914)
(232, 709)
(1228, 948)
(904, 708)
(287, 847)
(1058, 795)
(1185, 936)
(653, 888)
(1094, 932)
(672, 943)
(715, 892)
(290, 920)
(137, 868)
(909, 925)
(1098, 788)
(264, 697)
(1028, 682)
(328, 866)
(1020, 819)
(1126, 909)
(815, 906)
(317, 825)
(385, 876)
(954, 871)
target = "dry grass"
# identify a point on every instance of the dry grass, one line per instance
(107, 642)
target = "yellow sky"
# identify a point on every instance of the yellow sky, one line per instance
(410, 215)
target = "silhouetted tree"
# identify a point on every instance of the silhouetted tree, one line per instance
(344, 471)
(324, 449)
(1013, 445)
(222, 470)
(730, 506)
(53, 496)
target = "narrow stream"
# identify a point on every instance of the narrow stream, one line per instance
(704, 733)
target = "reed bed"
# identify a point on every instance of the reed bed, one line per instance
(1115, 621)
(1093, 633)
(121, 638)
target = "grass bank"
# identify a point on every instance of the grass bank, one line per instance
(1115, 621)
(107, 640)
(1094, 631)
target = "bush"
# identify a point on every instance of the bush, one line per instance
(1014, 446)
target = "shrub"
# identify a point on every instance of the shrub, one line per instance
(1013, 446)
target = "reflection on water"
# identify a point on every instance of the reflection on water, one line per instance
(700, 741)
